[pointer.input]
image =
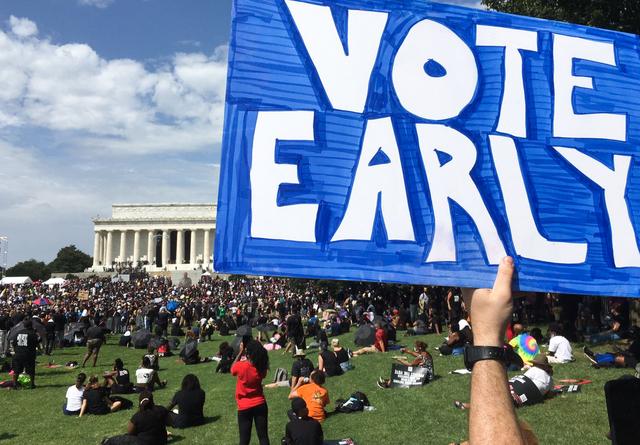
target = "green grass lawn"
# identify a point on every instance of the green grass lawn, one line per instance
(421, 416)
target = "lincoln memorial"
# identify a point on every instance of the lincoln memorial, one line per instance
(157, 236)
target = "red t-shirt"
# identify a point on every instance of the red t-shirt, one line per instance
(248, 385)
(381, 336)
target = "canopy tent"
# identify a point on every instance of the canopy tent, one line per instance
(15, 280)
(55, 281)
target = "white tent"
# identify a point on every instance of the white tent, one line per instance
(53, 281)
(15, 280)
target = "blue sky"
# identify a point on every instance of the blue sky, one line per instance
(105, 101)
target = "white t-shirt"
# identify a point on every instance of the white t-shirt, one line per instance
(74, 398)
(462, 323)
(540, 377)
(560, 348)
(144, 376)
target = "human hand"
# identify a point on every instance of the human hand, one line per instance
(490, 309)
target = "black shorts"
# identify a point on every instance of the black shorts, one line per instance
(21, 364)
(93, 345)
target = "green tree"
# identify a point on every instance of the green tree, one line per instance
(618, 15)
(36, 270)
(70, 260)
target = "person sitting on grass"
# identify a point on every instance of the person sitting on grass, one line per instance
(95, 400)
(73, 402)
(190, 402)
(147, 378)
(559, 347)
(422, 358)
(460, 334)
(300, 371)
(154, 358)
(314, 394)
(147, 427)
(335, 360)
(224, 358)
(302, 429)
(522, 337)
(118, 380)
(621, 358)
(379, 345)
(189, 352)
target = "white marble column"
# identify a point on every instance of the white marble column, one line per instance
(151, 251)
(123, 245)
(192, 249)
(136, 247)
(207, 248)
(179, 246)
(96, 248)
(165, 247)
(108, 258)
(103, 242)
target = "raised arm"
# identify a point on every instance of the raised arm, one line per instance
(492, 418)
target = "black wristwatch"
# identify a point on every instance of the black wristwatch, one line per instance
(473, 354)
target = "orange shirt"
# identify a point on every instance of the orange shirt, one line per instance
(316, 398)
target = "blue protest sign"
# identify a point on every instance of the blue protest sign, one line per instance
(416, 142)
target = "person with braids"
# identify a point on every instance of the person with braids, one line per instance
(147, 427)
(250, 367)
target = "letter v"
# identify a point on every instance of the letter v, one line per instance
(344, 75)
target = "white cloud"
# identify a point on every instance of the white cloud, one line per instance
(23, 27)
(113, 105)
(96, 3)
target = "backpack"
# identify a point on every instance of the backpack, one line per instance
(280, 375)
(355, 403)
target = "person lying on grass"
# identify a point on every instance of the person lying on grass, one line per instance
(539, 374)
(95, 400)
(147, 378)
(422, 358)
(620, 358)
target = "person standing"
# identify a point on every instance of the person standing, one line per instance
(50, 330)
(4, 330)
(59, 321)
(250, 367)
(25, 342)
(95, 339)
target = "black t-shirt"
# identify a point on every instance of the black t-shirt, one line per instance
(190, 404)
(151, 426)
(123, 378)
(59, 321)
(305, 431)
(301, 368)
(342, 356)
(331, 365)
(25, 342)
(96, 332)
(294, 326)
(50, 328)
(95, 401)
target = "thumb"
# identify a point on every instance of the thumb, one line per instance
(504, 277)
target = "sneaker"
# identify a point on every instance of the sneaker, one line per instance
(380, 385)
(590, 356)
(380, 380)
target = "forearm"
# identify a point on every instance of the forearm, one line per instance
(492, 419)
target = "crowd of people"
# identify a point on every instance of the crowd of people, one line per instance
(292, 315)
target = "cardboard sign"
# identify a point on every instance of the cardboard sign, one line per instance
(414, 142)
(83, 295)
(407, 376)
